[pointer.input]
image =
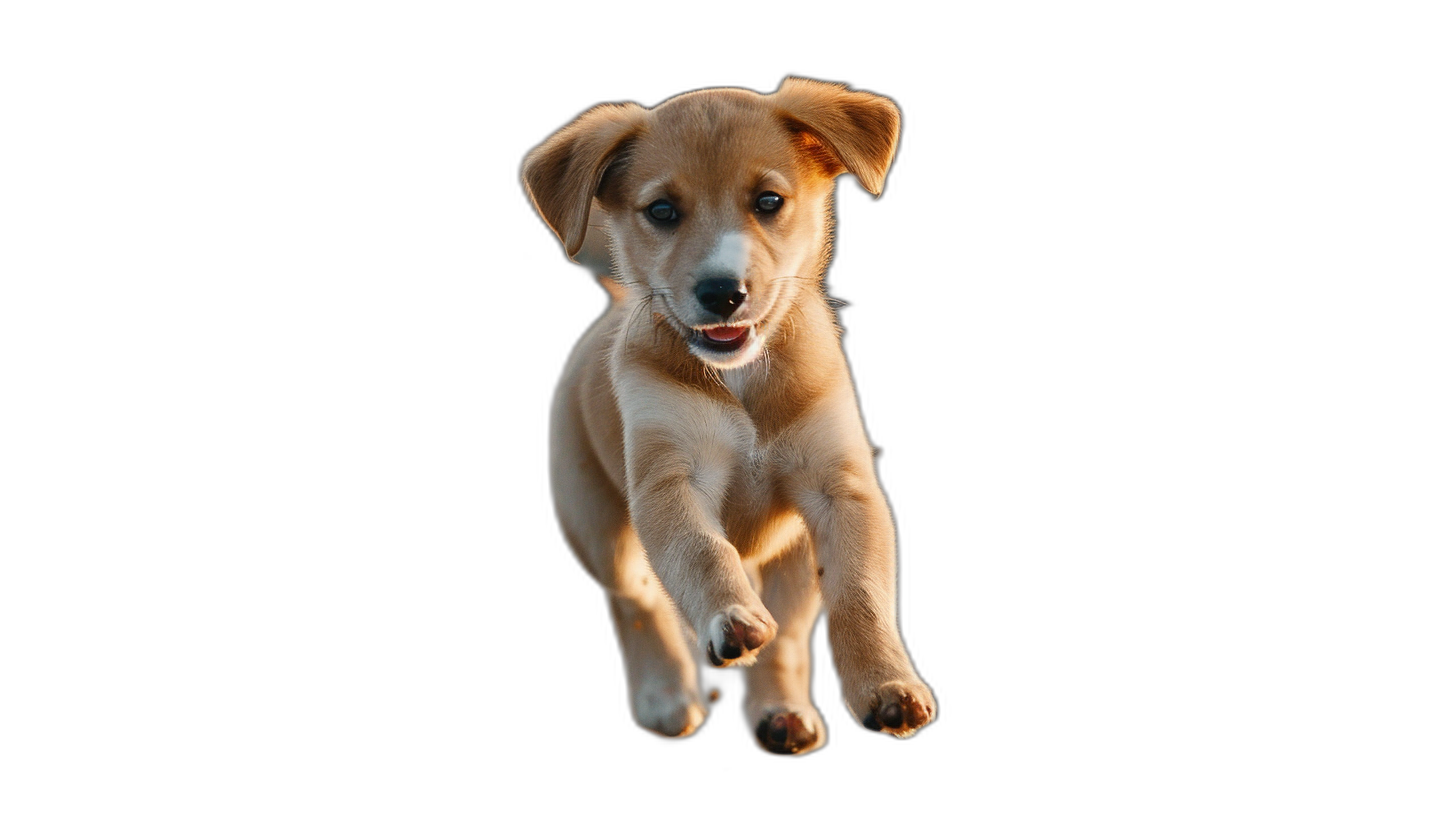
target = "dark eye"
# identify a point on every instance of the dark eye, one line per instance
(769, 202)
(662, 210)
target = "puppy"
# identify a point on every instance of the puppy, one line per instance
(708, 460)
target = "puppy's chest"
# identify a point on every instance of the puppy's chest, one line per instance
(756, 514)
(757, 476)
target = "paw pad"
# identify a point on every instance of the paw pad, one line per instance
(785, 732)
(899, 711)
(733, 636)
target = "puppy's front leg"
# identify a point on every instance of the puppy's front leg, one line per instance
(681, 452)
(854, 540)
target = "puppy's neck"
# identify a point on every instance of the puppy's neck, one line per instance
(800, 364)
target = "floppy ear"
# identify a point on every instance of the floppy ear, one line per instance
(841, 129)
(563, 172)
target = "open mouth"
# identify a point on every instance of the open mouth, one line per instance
(724, 339)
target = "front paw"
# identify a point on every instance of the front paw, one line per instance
(789, 729)
(898, 707)
(734, 636)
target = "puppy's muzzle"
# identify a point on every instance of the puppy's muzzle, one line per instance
(721, 296)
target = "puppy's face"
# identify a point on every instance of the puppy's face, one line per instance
(718, 214)
(716, 202)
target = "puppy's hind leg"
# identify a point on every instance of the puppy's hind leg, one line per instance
(662, 677)
(778, 704)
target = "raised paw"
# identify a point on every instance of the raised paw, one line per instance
(734, 636)
(790, 731)
(898, 708)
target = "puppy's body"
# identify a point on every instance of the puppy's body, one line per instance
(706, 441)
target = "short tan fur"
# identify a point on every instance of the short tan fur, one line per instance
(708, 460)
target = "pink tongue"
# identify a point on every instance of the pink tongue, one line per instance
(725, 334)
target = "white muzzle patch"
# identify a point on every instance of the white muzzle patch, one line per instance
(729, 258)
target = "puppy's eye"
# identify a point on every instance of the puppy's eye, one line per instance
(769, 202)
(662, 210)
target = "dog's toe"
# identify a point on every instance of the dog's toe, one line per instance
(668, 712)
(900, 709)
(735, 636)
(784, 731)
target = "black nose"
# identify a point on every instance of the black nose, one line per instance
(721, 296)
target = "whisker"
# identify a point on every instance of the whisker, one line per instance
(642, 303)
(716, 375)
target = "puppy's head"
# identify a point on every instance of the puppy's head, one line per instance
(716, 202)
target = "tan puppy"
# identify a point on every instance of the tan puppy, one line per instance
(706, 439)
